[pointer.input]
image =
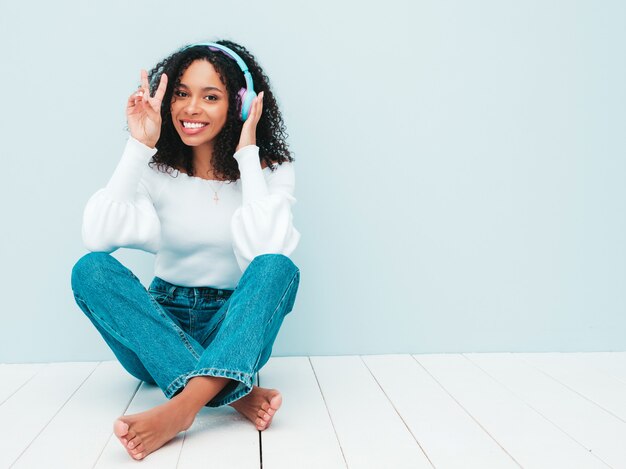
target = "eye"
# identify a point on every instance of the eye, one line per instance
(180, 94)
(211, 97)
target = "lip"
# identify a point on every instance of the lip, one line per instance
(187, 131)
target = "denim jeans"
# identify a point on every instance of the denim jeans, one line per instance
(168, 334)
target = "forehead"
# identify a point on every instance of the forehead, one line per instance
(200, 74)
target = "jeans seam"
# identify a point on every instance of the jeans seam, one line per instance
(119, 337)
(283, 297)
(179, 331)
(258, 358)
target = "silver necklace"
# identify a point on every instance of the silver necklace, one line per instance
(215, 197)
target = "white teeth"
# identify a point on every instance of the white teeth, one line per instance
(193, 125)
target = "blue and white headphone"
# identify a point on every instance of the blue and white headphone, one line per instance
(246, 94)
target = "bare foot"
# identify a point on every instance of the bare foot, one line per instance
(259, 406)
(143, 433)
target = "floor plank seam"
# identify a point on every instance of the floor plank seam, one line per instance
(25, 383)
(111, 434)
(180, 451)
(258, 383)
(530, 406)
(328, 412)
(55, 414)
(396, 410)
(467, 412)
(573, 390)
(605, 373)
(594, 367)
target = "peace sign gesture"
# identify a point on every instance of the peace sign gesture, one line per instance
(143, 112)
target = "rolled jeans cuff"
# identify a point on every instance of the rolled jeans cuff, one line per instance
(243, 387)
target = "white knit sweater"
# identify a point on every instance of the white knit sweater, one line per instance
(197, 241)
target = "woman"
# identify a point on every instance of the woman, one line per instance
(206, 183)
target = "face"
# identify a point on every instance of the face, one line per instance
(199, 105)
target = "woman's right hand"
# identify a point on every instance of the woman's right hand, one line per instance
(143, 112)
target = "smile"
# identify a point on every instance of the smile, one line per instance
(192, 128)
(193, 125)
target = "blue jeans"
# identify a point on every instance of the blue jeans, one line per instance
(168, 334)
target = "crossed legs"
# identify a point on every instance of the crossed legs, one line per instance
(138, 330)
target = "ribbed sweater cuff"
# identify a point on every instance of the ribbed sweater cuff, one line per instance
(123, 184)
(253, 185)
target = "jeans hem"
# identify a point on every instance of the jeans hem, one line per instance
(242, 377)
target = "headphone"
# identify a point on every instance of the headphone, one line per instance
(246, 94)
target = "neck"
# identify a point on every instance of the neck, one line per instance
(202, 156)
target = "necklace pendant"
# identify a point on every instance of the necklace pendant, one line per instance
(216, 198)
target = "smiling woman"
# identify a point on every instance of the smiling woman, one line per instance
(223, 279)
(201, 80)
(199, 112)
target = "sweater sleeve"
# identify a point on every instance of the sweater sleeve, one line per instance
(264, 222)
(122, 214)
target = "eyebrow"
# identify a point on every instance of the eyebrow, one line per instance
(206, 88)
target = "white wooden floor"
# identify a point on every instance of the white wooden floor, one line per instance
(464, 411)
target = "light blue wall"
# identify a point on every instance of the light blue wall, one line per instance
(460, 166)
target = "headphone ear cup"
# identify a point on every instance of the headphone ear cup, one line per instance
(246, 97)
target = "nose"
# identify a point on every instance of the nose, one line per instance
(191, 106)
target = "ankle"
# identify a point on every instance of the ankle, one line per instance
(184, 409)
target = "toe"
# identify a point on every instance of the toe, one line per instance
(276, 401)
(138, 456)
(120, 428)
(133, 443)
(130, 435)
(264, 415)
(260, 423)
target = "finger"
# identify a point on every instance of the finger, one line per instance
(148, 109)
(144, 81)
(254, 110)
(261, 96)
(258, 108)
(134, 98)
(160, 92)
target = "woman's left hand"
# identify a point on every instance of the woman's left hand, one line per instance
(248, 131)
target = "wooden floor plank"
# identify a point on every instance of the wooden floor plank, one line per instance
(115, 456)
(610, 363)
(446, 433)
(78, 433)
(594, 428)
(595, 385)
(301, 434)
(29, 410)
(532, 441)
(13, 376)
(220, 438)
(546, 410)
(370, 432)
